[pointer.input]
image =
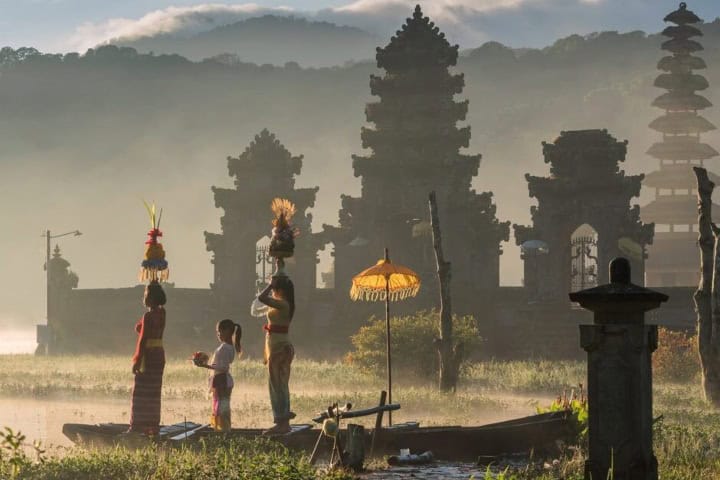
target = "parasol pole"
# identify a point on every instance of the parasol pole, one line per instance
(387, 336)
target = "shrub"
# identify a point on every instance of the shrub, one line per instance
(676, 357)
(577, 404)
(411, 337)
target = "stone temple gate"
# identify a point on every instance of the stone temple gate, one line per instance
(265, 170)
(583, 218)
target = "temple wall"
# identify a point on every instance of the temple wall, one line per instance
(101, 321)
(678, 312)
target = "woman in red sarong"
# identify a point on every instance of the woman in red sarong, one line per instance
(148, 363)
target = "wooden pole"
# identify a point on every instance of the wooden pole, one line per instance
(337, 444)
(448, 356)
(708, 289)
(387, 337)
(378, 422)
(355, 447)
(49, 349)
(314, 454)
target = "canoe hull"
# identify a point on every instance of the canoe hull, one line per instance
(454, 443)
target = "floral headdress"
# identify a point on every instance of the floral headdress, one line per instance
(282, 241)
(154, 267)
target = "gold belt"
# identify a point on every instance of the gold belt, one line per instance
(153, 343)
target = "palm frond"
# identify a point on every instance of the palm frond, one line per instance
(283, 206)
(151, 213)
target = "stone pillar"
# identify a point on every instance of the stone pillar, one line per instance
(619, 347)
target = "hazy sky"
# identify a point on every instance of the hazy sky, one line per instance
(62, 25)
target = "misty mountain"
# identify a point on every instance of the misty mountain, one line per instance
(268, 39)
(83, 138)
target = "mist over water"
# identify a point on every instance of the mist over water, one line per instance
(17, 340)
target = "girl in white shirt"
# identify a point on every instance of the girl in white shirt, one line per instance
(229, 333)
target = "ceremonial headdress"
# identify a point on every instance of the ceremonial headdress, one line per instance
(282, 240)
(154, 267)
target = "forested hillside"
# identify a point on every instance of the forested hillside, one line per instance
(84, 136)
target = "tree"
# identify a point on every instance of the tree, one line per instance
(707, 296)
(450, 355)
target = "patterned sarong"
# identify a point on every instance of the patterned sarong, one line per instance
(279, 362)
(220, 419)
(145, 416)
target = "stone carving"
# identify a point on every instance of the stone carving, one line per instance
(619, 347)
(585, 187)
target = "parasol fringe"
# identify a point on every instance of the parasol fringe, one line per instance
(375, 294)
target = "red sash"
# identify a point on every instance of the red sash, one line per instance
(276, 328)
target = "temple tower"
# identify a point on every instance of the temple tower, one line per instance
(415, 148)
(61, 281)
(583, 217)
(265, 170)
(673, 259)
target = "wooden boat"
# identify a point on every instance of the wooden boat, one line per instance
(457, 443)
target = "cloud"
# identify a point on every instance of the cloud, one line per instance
(183, 21)
(461, 20)
(432, 8)
(467, 22)
(381, 17)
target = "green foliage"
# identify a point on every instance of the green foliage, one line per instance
(11, 452)
(13, 457)
(686, 440)
(577, 403)
(227, 459)
(412, 337)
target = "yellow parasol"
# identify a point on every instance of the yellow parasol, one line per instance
(385, 281)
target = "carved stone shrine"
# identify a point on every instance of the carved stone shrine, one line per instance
(619, 348)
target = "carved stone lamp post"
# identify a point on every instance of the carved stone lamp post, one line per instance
(619, 347)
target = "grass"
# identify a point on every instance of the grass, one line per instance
(89, 376)
(234, 459)
(687, 439)
(541, 376)
(314, 385)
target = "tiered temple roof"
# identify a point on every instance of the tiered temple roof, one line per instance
(679, 150)
(266, 169)
(681, 125)
(414, 145)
